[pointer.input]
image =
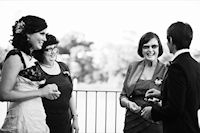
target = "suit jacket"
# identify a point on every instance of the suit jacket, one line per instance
(181, 96)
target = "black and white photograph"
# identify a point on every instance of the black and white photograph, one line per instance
(99, 66)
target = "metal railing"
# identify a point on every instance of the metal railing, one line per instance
(107, 115)
(99, 111)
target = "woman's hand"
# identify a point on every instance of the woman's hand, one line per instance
(133, 107)
(50, 91)
(152, 93)
(146, 112)
(75, 124)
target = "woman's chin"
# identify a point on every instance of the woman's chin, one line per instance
(151, 59)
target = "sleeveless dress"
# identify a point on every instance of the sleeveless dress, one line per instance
(134, 123)
(58, 118)
(26, 116)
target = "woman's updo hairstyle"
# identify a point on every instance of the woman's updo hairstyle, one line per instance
(26, 25)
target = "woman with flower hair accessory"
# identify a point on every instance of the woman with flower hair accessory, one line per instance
(21, 79)
(142, 76)
(58, 111)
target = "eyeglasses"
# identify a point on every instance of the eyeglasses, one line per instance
(52, 49)
(148, 46)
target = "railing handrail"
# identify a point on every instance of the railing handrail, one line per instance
(97, 87)
(96, 90)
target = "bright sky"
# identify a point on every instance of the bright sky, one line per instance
(103, 21)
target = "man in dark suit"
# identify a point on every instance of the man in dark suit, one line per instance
(181, 86)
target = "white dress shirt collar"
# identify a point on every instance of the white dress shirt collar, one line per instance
(180, 52)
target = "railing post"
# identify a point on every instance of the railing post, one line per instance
(96, 112)
(86, 112)
(106, 112)
(115, 112)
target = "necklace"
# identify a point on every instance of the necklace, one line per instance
(31, 56)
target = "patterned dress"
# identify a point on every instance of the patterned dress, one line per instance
(26, 116)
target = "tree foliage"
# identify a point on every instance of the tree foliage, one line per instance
(96, 62)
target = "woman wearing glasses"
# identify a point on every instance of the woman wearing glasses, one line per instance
(142, 76)
(58, 118)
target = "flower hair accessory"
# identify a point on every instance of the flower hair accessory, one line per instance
(158, 81)
(19, 27)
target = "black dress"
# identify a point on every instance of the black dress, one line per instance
(58, 118)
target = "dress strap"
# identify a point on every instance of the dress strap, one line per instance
(16, 52)
(65, 70)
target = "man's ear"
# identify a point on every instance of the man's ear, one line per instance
(172, 43)
(170, 40)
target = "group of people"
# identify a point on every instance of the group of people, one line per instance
(163, 98)
(38, 88)
(158, 98)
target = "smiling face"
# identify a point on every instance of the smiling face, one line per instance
(150, 50)
(50, 53)
(37, 39)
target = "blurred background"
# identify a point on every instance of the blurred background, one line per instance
(99, 38)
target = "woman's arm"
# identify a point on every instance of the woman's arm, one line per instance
(130, 105)
(11, 69)
(124, 101)
(74, 114)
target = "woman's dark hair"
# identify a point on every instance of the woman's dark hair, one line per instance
(26, 25)
(39, 54)
(181, 34)
(145, 39)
